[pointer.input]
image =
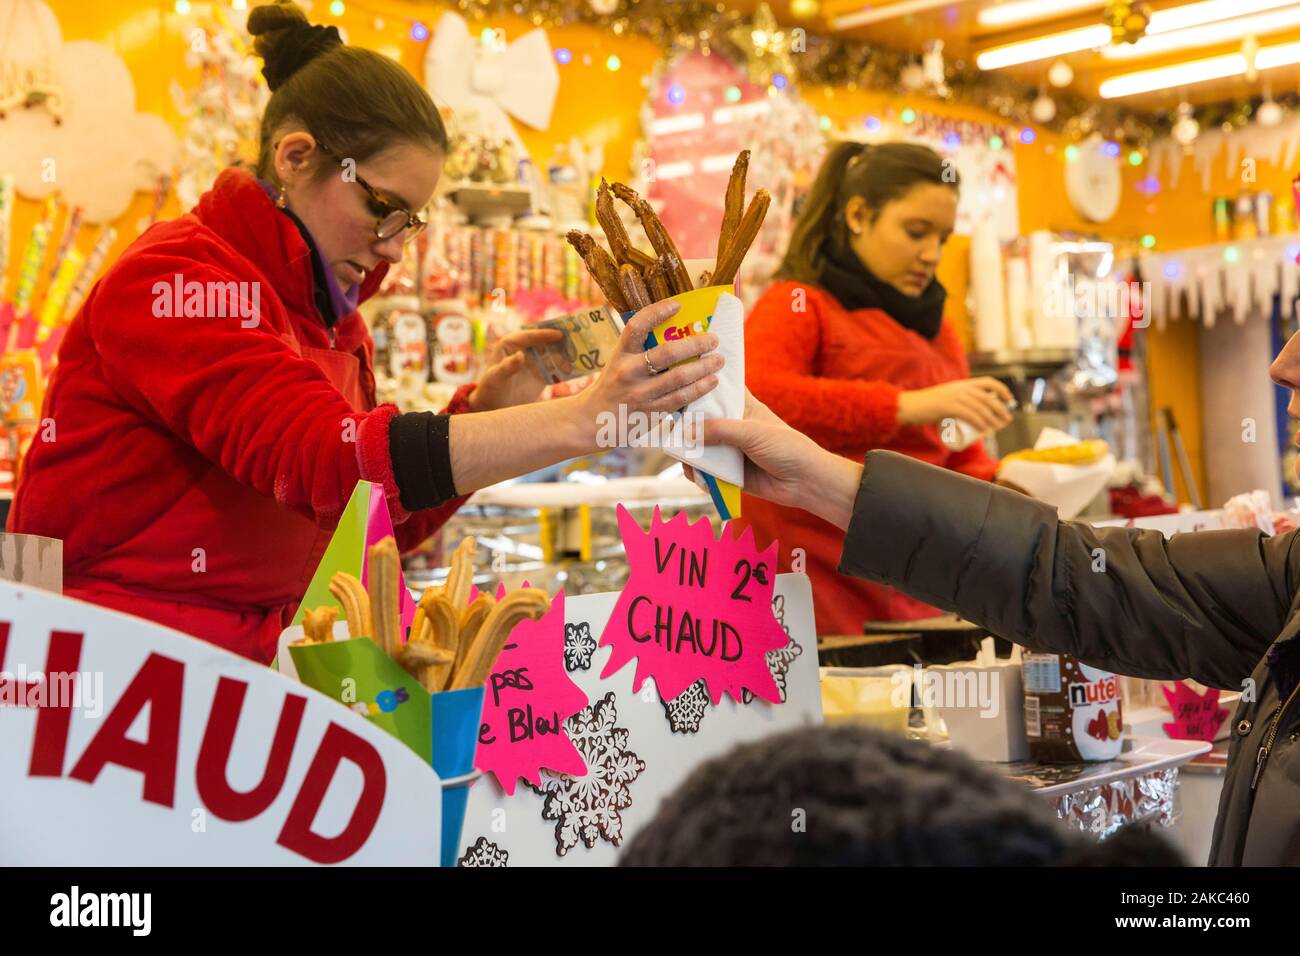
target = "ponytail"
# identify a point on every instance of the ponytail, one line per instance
(803, 257)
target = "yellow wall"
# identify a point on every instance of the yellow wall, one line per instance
(597, 105)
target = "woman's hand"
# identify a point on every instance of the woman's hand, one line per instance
(636, 380)
(510, 379)
(507, 442)
(981, 402)
(786, 466)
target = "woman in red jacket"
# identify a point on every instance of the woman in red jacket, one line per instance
(214, 403)
(850, 347)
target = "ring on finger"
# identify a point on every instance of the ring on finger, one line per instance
(649, 367)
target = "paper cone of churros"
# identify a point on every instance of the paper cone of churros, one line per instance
(632, 278)
(424, 683)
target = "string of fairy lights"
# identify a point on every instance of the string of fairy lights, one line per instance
(758, 43)
(786, 57)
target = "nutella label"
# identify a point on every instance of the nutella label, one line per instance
(1098, 692)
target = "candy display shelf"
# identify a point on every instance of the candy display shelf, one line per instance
(485, 201)
(1020, 364)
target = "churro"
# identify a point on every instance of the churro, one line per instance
(384, 569)
(460, 578)
(441, 634)
(471, 621)
(656, 280)
(728, 264)
(633, 286)
(347, 590)
(601, 267)
(664, 274)
(318, 625)
(679, 280)
(620, 244)
(734, 204)
(654, 230)
(530, 603)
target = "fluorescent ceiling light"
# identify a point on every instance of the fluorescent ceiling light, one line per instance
(1197, 71)
(1045, 47)
(1099, 36)
(1208, 11)
(870, 14)
(1181, 74)
(1284, 54)
(1205, 35)
(1024, 11)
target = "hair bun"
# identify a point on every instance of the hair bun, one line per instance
(286, 41)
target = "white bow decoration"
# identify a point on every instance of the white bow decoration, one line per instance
(490, 79)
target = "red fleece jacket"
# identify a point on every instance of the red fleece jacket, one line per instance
(836, 375)
(199, 464)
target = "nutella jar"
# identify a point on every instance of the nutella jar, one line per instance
(1072, 711)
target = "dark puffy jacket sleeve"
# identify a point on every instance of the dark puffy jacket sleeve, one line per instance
(1205, 605)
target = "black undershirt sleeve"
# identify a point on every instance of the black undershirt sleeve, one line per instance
(419, 444)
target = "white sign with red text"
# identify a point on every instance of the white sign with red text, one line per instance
(123, 742)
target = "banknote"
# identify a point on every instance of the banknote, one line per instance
(590, 337)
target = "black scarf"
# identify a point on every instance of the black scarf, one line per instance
(855, 287)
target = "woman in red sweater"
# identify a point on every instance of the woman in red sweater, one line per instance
(214, 403)
(850, 347)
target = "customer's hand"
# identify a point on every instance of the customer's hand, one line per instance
(638, 381)
(981, 402)
(510, 379)
(786, 466)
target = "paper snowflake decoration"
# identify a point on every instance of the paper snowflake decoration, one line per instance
(588, 808)
(484, 853)
(779, 661)
(579, 645)
(686, 710)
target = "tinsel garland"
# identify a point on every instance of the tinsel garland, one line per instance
(678, 26)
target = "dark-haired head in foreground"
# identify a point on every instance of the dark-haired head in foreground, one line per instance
(854, 796)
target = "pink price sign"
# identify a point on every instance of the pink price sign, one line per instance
(529, 697)
(1196, 716)
(694, 607)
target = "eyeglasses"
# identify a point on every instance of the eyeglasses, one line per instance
(393, 219)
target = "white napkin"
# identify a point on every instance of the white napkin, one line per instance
(726, 401)
(1069, 487)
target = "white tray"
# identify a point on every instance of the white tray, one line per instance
(571, 494)
(1141, 755)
